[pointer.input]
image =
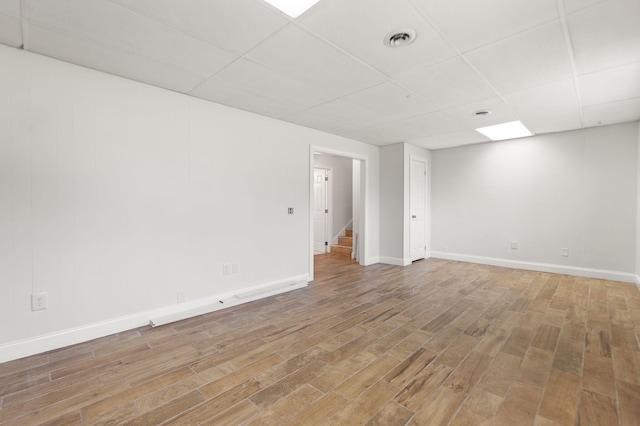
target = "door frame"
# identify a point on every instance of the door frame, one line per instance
(364, 181)
(424, 161)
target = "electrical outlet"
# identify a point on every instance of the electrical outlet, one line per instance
(564, 252)
(226, 269)
(514, 245)
(39, 302)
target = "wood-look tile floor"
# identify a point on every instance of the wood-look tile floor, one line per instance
(434, 343)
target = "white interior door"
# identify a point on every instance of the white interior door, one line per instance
(320, 213)
(418, 209)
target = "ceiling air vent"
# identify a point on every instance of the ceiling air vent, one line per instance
(400, 38)
(482, 113)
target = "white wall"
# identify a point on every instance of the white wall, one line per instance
(575, 190)
(638, 213)
(115, 196)
(341, 190)
(392, 203)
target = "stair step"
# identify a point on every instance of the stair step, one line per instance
(348, 232)
(341, 250)
(345, 241)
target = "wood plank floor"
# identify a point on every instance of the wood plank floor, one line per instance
(434, 343)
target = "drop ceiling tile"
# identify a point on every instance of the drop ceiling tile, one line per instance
(237, 97)
(102, 58)
(353, 115)
(612, 113)
(109, 24)
(10, 7)
(360, 26)
(500, 113)
(525, 60)
(572, 6)
(606, 35)
(392, 100)
(251, 78)
(294, 52)
(10, 30)
(448, 84)
(449, 140)
(433, 123)
(548, 108)
(471, 24)
(315, 121)
(220, 22)
(613, 84)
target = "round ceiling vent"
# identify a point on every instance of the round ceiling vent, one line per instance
(482, 113)
(399, 38)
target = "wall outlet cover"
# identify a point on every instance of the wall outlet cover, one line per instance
(39, 302)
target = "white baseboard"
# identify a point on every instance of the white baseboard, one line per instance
(372, 261)
(395, 261)
(541, 267)
(638, 281)
(47, 342)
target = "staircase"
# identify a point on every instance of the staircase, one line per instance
(344, 246)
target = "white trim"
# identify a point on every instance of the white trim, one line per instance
(371, 261)
(395, 261)
(541, 267)
(35, 345)
(638, 281)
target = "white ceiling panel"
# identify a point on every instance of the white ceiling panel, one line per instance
(330, 70)
(305, 118)
(433, 123)
(255, 79)
(392, 100)
(549, 108)
(449, 140)
(117, 62)
(606, 35)
(448, 84)
(296, 53)
(10, 30)
(610, 85)
(237, 97)
(525, 60)
(572, 6)
(348, 113)
(10, 7)
(112, 25)
(220, 22)
(500, 112)
(359, 27)
(612, 113)
(471, 24)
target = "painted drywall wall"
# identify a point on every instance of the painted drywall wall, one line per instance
(574, 190)
(638, 213)
(341, 191)
(116, 196)
(392, 204)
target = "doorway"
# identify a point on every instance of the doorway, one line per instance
(343, 226)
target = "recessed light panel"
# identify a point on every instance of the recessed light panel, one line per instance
(293, 8)
(510, 130)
